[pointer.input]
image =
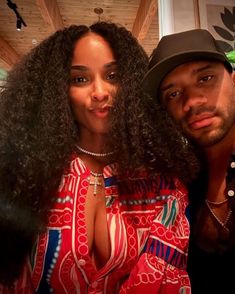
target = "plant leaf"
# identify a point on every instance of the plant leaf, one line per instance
(3, 74)
(231, 56)
(223, 33)
(226, 47)
(228, 19)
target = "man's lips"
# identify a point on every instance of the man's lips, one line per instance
(200, 121)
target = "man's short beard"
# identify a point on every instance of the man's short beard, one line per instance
(217, 135)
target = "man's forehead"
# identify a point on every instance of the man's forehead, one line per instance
(194, 67)
(196, 64)
(187, 70)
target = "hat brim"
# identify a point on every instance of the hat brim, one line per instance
(154, 77)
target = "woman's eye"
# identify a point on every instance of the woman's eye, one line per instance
(79, 80)
(112, 76)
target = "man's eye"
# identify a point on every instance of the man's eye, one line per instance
(173, 95)
(78, 80)
(205, 78)
(170, 96)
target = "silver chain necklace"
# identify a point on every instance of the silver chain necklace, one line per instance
(93, 153)
(222, 223)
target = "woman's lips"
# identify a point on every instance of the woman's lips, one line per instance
(101, 112)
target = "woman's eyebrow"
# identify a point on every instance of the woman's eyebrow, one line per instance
(110, 64)
(84, 68)
(79, 67)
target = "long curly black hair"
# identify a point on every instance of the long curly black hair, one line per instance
(38, 134)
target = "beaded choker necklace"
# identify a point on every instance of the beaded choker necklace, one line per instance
(93, 153)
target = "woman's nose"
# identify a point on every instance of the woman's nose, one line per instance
(100, 90)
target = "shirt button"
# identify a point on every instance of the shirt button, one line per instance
(230, 193)
(81, 262)
(232, 164)
(94, 284)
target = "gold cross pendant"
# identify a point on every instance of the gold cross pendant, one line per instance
(96, 183)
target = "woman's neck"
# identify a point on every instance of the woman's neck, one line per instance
(92, 143)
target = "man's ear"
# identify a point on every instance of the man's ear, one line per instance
(233, 76)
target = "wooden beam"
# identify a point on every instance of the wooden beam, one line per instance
(144, 17)
(51, 13)
(8, 55)
(196, 14)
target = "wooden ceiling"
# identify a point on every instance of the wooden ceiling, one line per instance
(43, 17)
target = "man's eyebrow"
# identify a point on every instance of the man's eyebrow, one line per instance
(166, 87)
(207, 66)
(198, 70)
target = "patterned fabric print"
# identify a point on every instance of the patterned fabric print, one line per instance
(166, 244)
(161, 267)
(148, 233)
(152, 275)
(52, 253)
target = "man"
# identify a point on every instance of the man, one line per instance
(193, 80)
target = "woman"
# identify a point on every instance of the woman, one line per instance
(81, 152)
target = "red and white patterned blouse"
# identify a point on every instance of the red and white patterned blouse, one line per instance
(148, 230)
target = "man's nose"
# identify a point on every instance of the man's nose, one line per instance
(193, 98)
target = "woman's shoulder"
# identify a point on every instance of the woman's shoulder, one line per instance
(76, 167)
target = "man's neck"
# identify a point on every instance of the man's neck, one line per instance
(219, 154)
(209, 217)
